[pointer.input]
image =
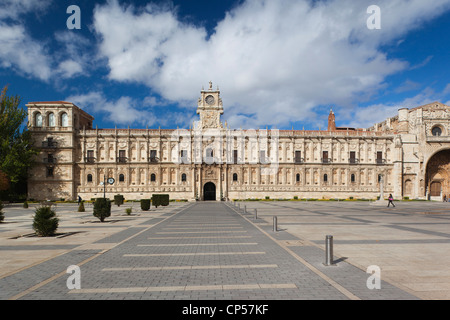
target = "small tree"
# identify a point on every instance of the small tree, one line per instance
(118, 199)
(128, 211)
(2, 216)
(25, 204)
(81, 207)
(102, 208)
(145, 204)
(45, 221)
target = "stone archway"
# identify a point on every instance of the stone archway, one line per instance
(209, 191)
(437, 174)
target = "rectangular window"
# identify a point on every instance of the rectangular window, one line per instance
(184, 156)
(49, 172)
(325, 157)
(153, 156)
(122, 157)
(352, 157)
(262, 156)
(90, 156)
(379, 157)
(235, 156)
(298, 157)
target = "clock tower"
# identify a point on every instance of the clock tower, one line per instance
(210, 108)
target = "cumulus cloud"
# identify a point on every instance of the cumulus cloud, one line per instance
(275, 61)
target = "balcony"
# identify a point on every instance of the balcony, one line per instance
(299, 160)
(380, 161)
(122, 159)
(353, 161)
(89, 159)
(49, 160)
(326, 160)
(153, 159)
(49, 144)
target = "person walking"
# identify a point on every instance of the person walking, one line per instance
(391, 200)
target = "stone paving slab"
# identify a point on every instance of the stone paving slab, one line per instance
(205, 250)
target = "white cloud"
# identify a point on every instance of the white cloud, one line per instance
(18, 51)
(274, 60)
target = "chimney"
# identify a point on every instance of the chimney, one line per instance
(331, 121)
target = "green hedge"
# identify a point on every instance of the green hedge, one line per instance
(118, 199)
(160, 200)
(145, 204)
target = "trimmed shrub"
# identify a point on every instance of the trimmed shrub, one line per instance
(2, 216)
(145, 204)
(128, 211)
(118, 199)
(45, 221)
(25, 204)
(160, 200)
(81, 207)
(102, 208)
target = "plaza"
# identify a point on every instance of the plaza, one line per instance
(222, 251)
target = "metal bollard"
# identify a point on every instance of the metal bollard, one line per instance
(256, 214)
(328, 250)
(239, 206)
(245, 209)
(275, 224)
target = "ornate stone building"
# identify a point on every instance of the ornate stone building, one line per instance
(409, 153)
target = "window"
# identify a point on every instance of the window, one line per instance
(153, 177)
(235, 156)
(352, 157)
(38, 119)
(152, 155)
(262, 156)
(379, 157)
(89, 178)
(352, 178)
(184, 155)
(49, 172)
(64, 120)
(325, 178)
(122, 157)
(325, 157)
(235, 177)
(51, 119)
(298, 157)
(121, 178)
(90, 156)
(436, 131)
(297, 177)
(183, 177)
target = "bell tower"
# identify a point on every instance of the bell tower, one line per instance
(210, 108)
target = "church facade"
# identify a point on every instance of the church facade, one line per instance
(407, 155)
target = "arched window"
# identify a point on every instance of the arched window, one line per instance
(183, 177)
(64, 120)
(153, 177)
(352, 178)
(89, 178)
(436, 131)
(325, 178)
(51, 119)
(297, 177)
(121, 178)
(235, 177)
(38, 120)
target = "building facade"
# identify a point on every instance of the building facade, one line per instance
(408, 155)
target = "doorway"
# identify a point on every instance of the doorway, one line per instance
(209, 191)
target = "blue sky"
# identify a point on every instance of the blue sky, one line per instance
(279, 63)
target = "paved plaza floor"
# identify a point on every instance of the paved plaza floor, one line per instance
(223, 251)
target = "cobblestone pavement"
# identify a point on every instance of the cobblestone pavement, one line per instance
(204, 250)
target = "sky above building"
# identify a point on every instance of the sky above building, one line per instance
(279, 64)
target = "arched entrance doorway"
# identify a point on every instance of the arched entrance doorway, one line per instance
(209, 191)
(437, 176)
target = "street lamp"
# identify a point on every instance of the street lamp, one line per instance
(105, 181)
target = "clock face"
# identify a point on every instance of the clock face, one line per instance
(209, 100)
(111, 180)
